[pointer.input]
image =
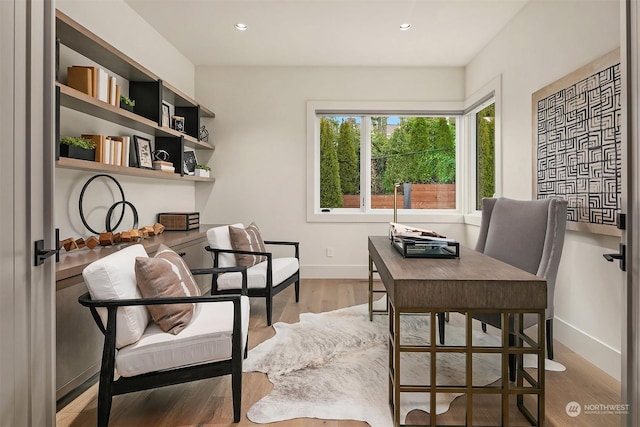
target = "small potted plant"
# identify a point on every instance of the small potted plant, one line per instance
(202, 171)
(127, 103)
(77, 148)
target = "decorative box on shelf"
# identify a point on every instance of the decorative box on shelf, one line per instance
(421, 248)
(179, 221)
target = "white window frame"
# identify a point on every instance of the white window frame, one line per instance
(490, 93)
(315, 109)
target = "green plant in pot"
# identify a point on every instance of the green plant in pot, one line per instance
(77, 148)
(127, 103)
(202, 170)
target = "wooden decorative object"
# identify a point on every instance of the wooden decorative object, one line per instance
(150, 230)
(92, 242)
(143, 233)
(80, 243)
(125, 236)
(69, 244)
(135, 234)
(158, 228)
(179, 221)
(106, 239)
(117, 238)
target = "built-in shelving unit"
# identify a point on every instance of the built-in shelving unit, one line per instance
(149, 92)
(67, 163)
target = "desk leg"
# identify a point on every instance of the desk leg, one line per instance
(394, 363)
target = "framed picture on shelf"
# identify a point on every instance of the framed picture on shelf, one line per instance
(166, 115)
(190, 162)
(143, 152)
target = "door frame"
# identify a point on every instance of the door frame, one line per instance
(630, 203)
(27, 292)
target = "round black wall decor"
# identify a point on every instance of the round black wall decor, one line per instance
(122, 202)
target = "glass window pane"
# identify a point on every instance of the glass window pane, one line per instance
(485, 149)
(420, 153)
(339, 162)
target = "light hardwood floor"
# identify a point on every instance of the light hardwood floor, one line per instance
(208, 402)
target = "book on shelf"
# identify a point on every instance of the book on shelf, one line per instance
(124, 143)
(117, 98)
(108, 150)
(163, 166)
(111, 95)
(94, 78)
(81, 79)
(102, 92)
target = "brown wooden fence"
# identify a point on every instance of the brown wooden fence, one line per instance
(423, 196)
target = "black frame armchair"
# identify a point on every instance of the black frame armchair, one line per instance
(271, 289)
(109, 386)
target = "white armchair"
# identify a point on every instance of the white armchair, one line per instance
(266, 278)
(162, 332)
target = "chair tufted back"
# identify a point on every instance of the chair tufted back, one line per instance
(528, 234)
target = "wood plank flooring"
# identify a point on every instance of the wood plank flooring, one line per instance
(208, 402)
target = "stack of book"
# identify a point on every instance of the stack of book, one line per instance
(414, 242)
(95, 82)
(163, 166)
(111, 150)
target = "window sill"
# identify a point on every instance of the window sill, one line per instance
(386, 216)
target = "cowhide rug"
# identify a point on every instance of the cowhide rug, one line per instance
(334, 366)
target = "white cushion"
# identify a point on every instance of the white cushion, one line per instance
(282, 269)
(207, 338)
(218, 238)
(113, 278)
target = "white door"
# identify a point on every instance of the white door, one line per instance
(630, 55)
(27, 292)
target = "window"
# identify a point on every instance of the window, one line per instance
(360, 156)
(445, 155)
(485, 119)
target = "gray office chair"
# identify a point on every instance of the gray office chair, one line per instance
(528, 234)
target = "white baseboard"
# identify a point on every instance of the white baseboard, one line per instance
(595, 351)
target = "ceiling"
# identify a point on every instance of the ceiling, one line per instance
(328, 32)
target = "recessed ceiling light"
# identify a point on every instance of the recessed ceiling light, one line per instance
(404, 27)
(241, 27)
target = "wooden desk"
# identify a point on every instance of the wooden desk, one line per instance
(473, 283)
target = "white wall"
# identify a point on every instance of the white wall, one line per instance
(544, 42)
(134, 38)
(118, 24)
(260, 158)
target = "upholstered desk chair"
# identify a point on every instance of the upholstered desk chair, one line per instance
(158, 329)
(528, 234)
(235, 245)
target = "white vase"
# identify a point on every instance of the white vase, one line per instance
(202, 173)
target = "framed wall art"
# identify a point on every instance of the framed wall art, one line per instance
(577, 144)
(143, 152)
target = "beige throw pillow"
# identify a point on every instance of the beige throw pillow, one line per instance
(247, 239)
(163, 276)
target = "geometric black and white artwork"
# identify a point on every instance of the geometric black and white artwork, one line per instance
(578, 145)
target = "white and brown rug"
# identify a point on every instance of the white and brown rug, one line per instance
(334, 366)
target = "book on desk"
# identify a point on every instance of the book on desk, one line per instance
(413, 242)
